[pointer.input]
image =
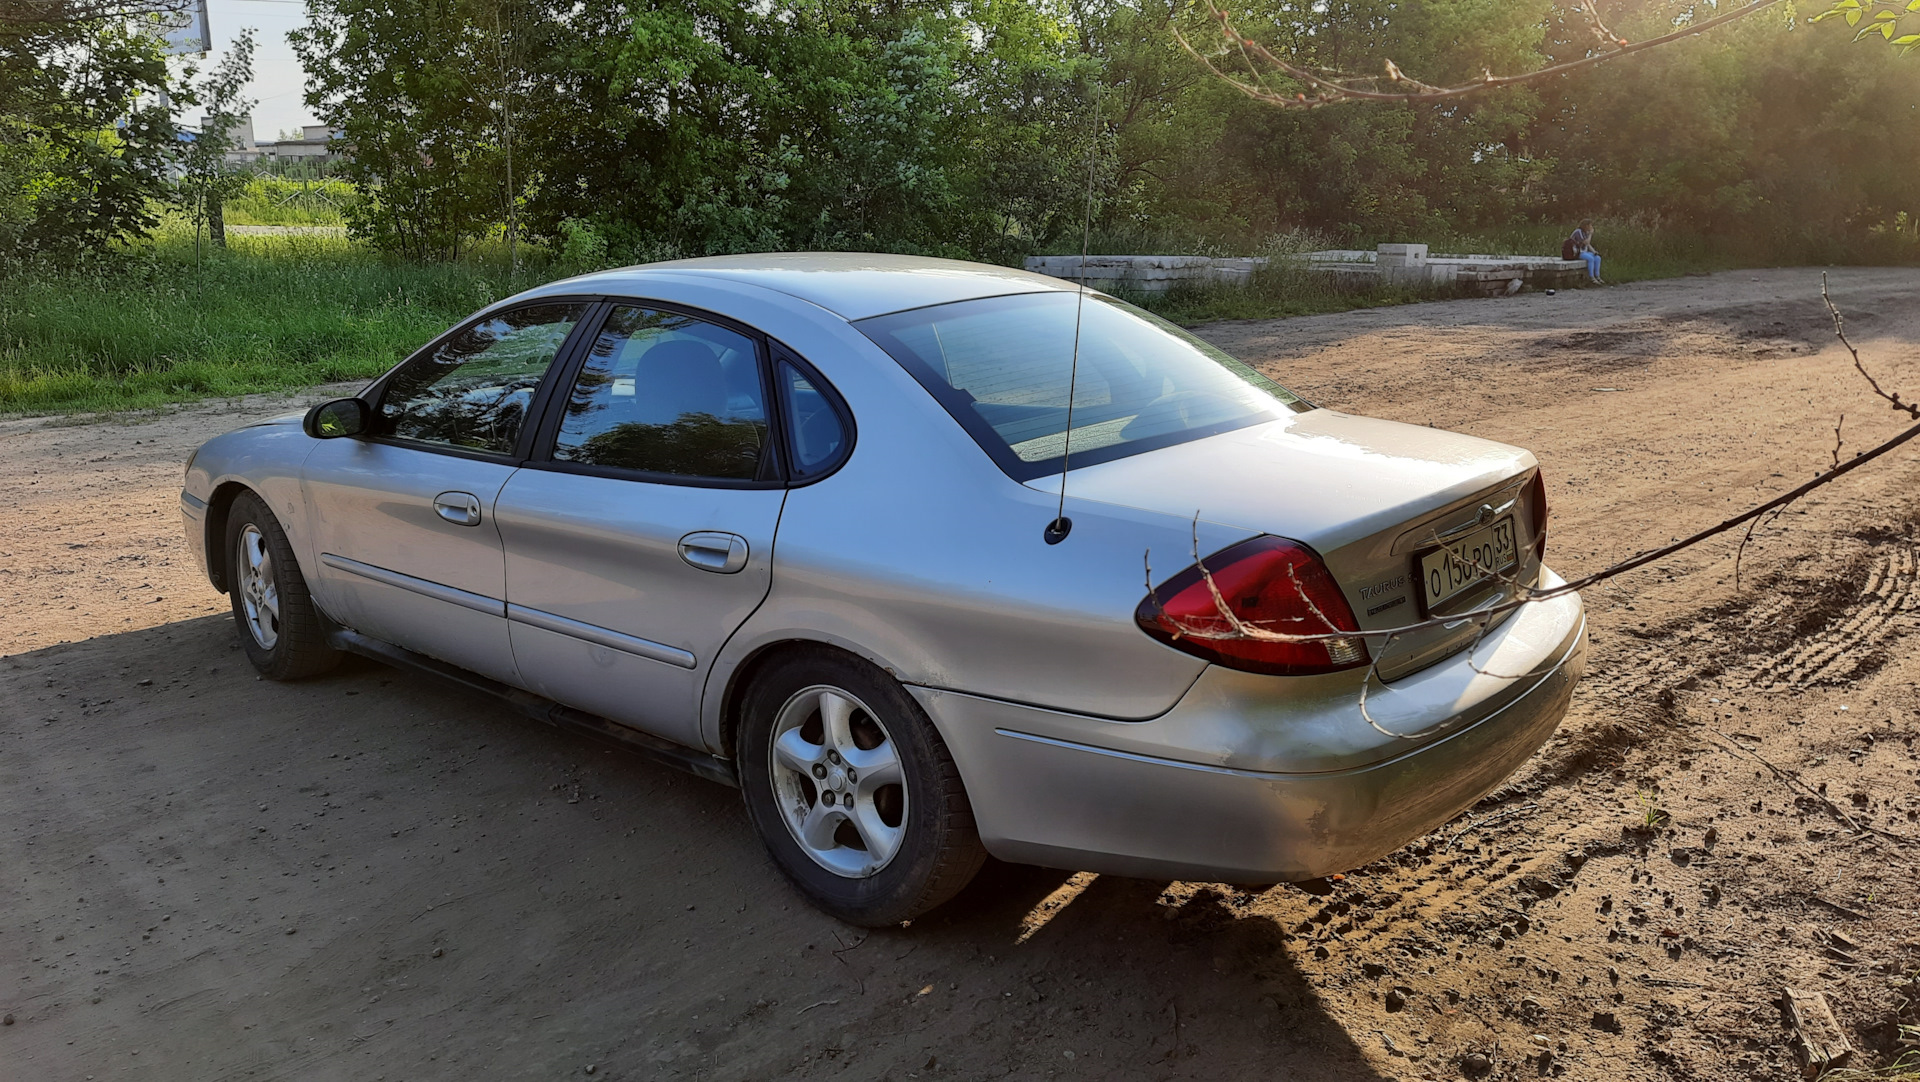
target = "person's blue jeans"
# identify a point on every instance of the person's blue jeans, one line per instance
(1593, 264)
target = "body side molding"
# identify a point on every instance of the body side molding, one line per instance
(425, 587)
(601, 636)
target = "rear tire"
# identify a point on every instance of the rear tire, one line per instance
(280, 629)
(872, 850)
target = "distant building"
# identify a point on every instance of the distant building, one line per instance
(317, 142)
(243, 149)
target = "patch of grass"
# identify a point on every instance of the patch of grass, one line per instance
(1629, 252)
(270, 313)
(276, 201)
(1904, 1069)
(1273, 294)
(1652, 816)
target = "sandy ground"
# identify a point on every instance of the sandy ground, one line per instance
(369, 876)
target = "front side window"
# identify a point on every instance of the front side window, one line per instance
(1002, 365)
(473, 391)
(661, 392)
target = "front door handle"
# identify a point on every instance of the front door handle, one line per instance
(712, 550)
(459, 508)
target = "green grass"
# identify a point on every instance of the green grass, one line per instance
(274, 201)
(154, 325)
(270, 313)
(1273, 294)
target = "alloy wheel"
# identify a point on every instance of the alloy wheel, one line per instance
(259, 593)
(838, 782)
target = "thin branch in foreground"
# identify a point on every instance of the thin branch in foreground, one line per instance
(1524, 594)
(1793, 780)
(1239, 628)
(1911, 409)
(1328, 88)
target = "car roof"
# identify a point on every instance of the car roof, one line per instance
(852, 285)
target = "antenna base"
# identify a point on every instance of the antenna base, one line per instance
(1058, 529)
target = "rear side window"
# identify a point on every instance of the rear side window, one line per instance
(819, 435)
(1001, 366)
(666, 393)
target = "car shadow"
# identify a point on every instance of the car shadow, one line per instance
(218, 874)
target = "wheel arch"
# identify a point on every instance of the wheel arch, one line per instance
(750, 667)
(218, 505)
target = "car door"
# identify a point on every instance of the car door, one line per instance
(406, 544)
(641, 534)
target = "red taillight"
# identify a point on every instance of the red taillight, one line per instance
(1537, 496)
(1269, 583)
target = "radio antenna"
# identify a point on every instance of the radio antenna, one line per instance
(1061, 525)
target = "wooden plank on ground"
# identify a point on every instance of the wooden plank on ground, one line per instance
(1822, 1046)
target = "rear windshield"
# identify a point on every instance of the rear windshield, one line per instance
(1001, 365)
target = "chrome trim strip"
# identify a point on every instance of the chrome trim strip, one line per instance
(1150, 760)
(600, 636)
(192, 501)
(476, 602)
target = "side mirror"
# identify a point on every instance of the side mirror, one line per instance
(340, 417)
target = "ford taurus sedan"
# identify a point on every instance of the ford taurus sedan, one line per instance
(796, 523)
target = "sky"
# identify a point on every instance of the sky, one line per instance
(277, 79)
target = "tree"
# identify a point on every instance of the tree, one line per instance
(207, 180)
(85, 139)
(413, 87)
(1292, 73)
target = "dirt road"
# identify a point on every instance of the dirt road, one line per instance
(367, 876)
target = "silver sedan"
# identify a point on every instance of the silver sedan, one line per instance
(796, 523)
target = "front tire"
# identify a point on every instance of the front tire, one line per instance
(852, 790)
(279, 627)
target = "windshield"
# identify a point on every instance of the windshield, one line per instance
(1001, 365)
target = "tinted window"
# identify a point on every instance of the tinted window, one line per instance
(818, 435)
(474, 390)
(667, 393)
(1001, 366)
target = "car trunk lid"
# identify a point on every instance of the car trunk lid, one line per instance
(1372, 497)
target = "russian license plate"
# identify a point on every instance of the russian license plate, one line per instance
(1456, 568)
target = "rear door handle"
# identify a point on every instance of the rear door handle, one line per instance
(459, 508)
(712, 550)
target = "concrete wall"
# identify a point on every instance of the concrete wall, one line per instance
(1393, 264)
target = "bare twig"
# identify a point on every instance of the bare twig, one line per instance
(1226, 623)
(1911, 409)
(1742, 550)
(1238, 628)
(1793, 780)
(1328, 88)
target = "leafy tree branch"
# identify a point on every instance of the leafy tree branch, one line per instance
(1285, 78)
(1887, 18)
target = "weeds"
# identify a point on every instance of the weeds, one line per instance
(269, 313)
(276, 201)
(1652, 815)
(1904, 1069)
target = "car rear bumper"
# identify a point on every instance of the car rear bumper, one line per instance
(1235, 786)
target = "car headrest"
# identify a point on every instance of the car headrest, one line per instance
(678, 377)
